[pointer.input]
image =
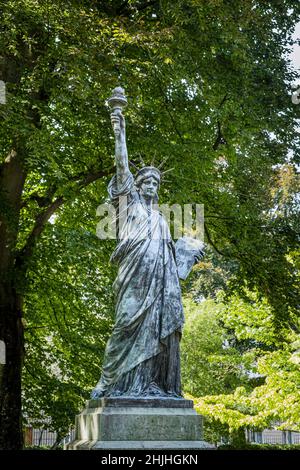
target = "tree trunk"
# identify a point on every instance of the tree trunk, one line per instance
(11, 331)
(12, 179)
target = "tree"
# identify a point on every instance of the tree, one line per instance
(209, 364)
(68, 315)
(209, 84)
(274, 402)
(37, 41)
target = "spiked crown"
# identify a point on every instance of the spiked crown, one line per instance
(148, 171)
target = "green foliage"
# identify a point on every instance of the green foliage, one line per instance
(256, 447)
(210, 276)
(207, 367)
(274, 402)
(68, 314)
(210, 366)
(209, 86)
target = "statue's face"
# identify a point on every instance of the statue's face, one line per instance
(149, 188)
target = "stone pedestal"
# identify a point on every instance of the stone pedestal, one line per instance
(138, 423)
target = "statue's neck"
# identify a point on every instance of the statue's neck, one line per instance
(147, 202)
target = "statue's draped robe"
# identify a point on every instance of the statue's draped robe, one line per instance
(142, 354)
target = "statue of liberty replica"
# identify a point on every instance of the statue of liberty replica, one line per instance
(137, 402)
(142, 355)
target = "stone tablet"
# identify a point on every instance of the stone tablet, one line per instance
(188, 252)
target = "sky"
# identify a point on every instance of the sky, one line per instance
(295, 54)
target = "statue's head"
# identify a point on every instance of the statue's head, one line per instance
(147, 182)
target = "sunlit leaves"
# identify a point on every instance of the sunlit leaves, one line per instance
(275, 360)
(208, 86)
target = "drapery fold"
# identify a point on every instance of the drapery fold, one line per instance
(143, 351)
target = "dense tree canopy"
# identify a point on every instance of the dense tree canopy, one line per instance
(209, 87)
(207, 366)
(267, 394)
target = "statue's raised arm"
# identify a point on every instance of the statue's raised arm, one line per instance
(117, 102)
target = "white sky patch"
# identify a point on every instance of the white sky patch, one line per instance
(295, 54)
(52, 219)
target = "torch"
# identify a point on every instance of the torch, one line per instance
(117, 102)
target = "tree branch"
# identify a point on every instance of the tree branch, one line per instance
(42, 201)
(42, 218)
(211, 242)
(165, 101)
(220, 139)
(124, 8)
(46, 199)
(223, 100)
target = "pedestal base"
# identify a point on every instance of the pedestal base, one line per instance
(138, 423)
